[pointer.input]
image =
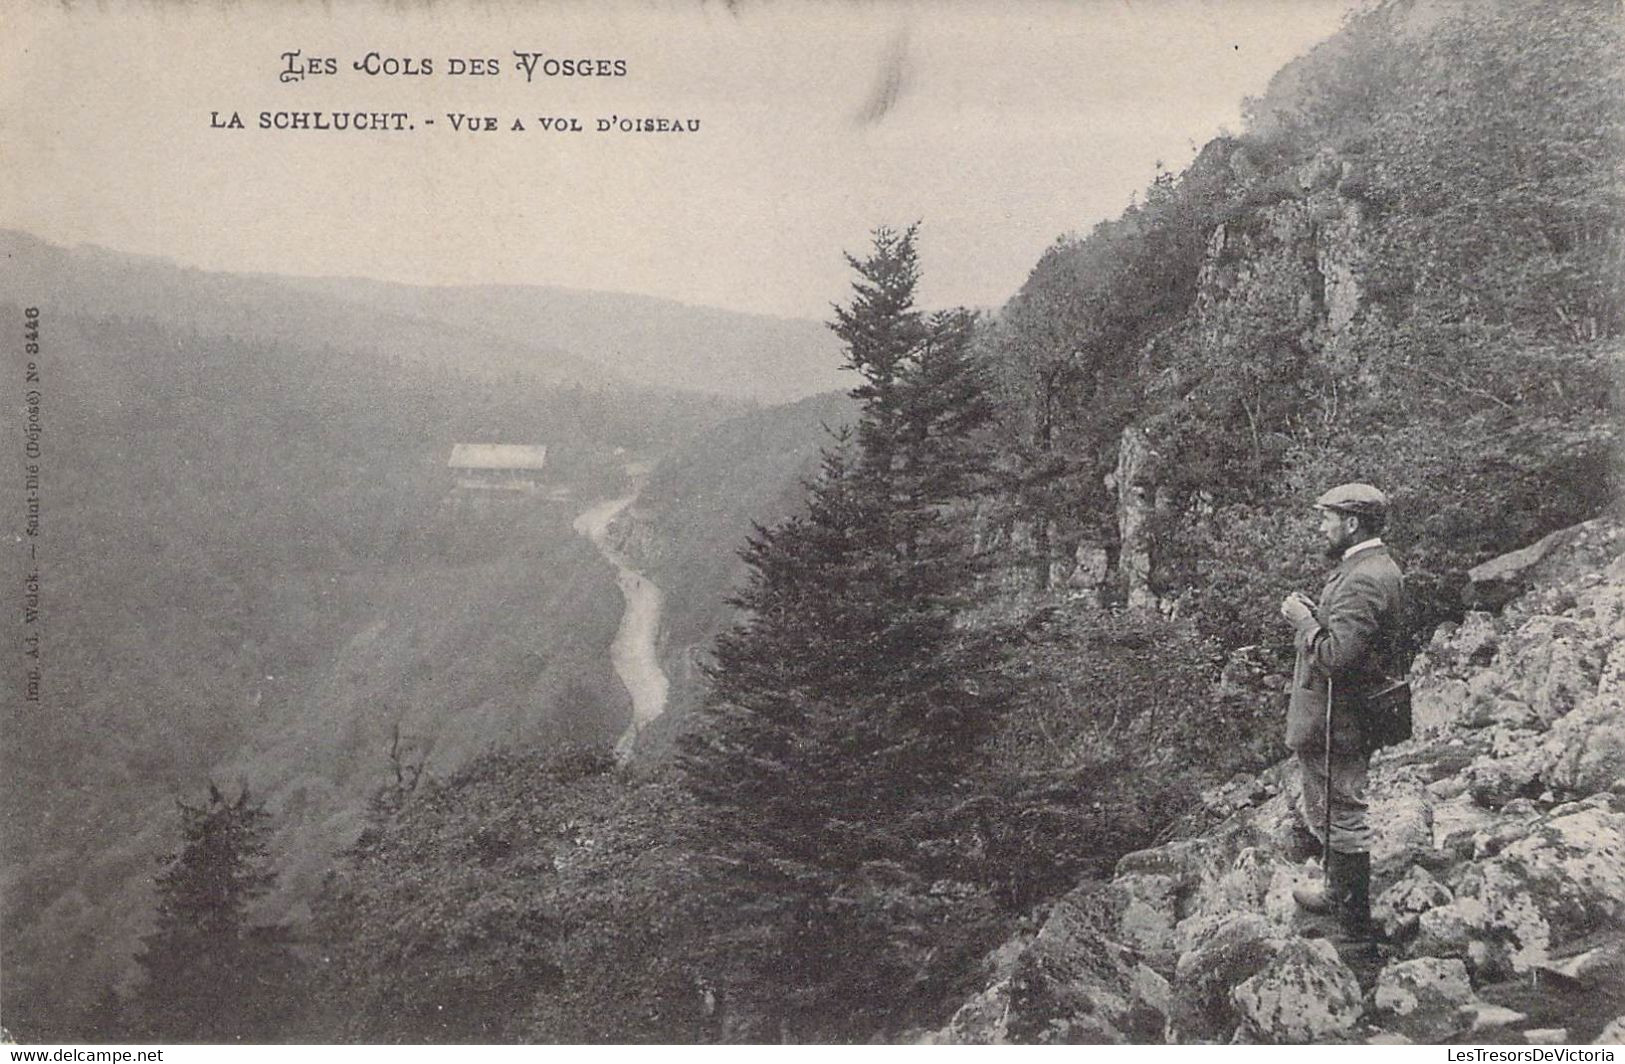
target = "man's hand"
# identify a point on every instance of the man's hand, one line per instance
(1297, 608)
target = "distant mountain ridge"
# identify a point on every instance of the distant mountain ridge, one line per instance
(95, 282)
(656, 342)
(558, 335)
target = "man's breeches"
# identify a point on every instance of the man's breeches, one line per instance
(1350, 832)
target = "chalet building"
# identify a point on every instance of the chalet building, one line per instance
(497, 466)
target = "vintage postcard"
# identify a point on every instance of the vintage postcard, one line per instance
(771, 521)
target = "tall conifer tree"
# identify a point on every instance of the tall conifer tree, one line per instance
(844, 699)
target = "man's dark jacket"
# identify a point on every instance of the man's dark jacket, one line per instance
(1355, 638)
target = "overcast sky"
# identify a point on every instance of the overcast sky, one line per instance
(1000, 126)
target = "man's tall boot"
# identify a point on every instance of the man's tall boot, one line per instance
(1346, 898)
(1353, 886)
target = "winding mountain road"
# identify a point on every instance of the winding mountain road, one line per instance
(633, 651)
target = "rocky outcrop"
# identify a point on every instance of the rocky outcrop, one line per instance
(1551, 561)
(1307, 238)
(1297, 258)
(1337, 218)
(1499, 864)
(1136, 495)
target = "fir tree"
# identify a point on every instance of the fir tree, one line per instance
(844, 700)
(212, 975)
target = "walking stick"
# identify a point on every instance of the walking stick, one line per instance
(1326, 863)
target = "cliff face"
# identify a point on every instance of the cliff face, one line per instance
(1294, 260)
(1499, 867)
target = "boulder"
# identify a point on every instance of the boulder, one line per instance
(1546, 1036)
(1500, 580)
(1233, 865)
(1423, 998)
(1223, 952)
(1447, 930)
(1209, 856)
(1180, 860)
(1151, 989)
(1494, 781)
(1075, 983)
(1447, 788)
(1572, 863)
(1602, 604)
(1585, 751)
(1501, 834)
(1438, 702)
(1401, 817)
(981, 1021)
(1305, 993)
(1193, 931)
(1499, 708)
(1552, 664)
(1457, 822)
(1613, 1034)
(1380, 1037)
(1563, 879)
(1242, 887)
(1147, 910)
(1486, 1017)
(1476, 639)
(1275, 822)
(1597, 966)
(1507, 743)
(1398, 909)
(984, 1018)
(1526, 809)
(1495, 911)
(1488, 702)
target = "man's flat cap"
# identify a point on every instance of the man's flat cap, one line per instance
(1358, 499)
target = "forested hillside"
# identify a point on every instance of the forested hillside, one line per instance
(253, 567)
(1025, 609)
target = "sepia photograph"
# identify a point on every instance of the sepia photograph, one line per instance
(775, 522)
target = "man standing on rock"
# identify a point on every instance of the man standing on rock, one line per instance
(1350, 646)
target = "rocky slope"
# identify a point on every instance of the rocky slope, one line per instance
(1499, 868)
